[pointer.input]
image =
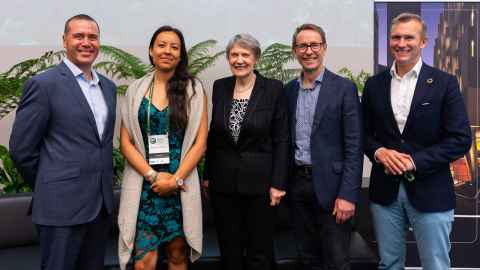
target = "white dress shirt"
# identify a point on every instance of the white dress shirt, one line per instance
(401, 93)
(402, 90)
(93, 93)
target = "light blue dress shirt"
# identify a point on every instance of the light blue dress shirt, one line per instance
(306, 105)
(93, 93)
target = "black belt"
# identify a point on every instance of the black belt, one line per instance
(305, 170)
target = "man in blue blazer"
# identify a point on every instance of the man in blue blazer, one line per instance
(62, 144)
(415, 125)
(326, 155)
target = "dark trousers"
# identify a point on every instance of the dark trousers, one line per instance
(244, 224)
(78, 247)
(321, 242)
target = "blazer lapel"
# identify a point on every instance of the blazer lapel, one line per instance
(326, 90)
(255, 96)
(293, 106)
(72, 84)
(109, 98)
(422, 87)
(227, 107)
(388, 105)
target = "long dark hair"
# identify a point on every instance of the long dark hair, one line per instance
(177, 84)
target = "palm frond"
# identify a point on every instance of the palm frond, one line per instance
(359, 80)
(122, 65)
(273, 61)
(30, 67)
(200, 49)
(122, 89)
(198, 65)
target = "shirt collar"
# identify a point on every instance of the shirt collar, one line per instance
(318, 80)
(415, 71)
(77, 72)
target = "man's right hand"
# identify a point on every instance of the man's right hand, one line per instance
(394, 162)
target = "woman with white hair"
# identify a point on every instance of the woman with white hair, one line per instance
(247, 157)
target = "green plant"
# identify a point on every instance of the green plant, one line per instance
(359, 80)
(274, 60)
(10, 179)
(12, 80)
(118, 165)
(121, 65)
(199, 57)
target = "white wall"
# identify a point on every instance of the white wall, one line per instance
(28, 28)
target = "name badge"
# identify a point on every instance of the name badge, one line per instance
(159, 150)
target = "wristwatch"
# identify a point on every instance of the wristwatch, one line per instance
(179, 182)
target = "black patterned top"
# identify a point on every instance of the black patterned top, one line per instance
(237, 113)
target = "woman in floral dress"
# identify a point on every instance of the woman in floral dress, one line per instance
(163, 137)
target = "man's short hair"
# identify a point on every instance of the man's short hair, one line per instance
(84, 17)
(406, 17)
(309, 26)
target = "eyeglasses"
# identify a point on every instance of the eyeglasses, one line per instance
(315, 47)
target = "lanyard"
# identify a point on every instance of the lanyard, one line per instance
(150, 99)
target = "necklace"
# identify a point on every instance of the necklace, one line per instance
(248, 87)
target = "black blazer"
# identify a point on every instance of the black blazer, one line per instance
(335, 142)
(437, 132)
(259, 160)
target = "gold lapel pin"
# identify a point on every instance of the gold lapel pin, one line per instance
(429, 80)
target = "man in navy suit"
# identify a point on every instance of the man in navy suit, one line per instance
(415, 125)
(62, 144)
(326, 155)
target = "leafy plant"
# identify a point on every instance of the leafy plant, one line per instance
(118, 165)
(121, 65)
(10, 179)
(199, 57)
(11, 81)
(359, 80)
(274, 60)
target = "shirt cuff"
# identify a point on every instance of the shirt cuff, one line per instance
(375, 155)
(413, 163)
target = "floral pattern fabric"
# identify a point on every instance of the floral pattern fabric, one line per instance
(159, 219)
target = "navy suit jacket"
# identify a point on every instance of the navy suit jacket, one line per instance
(57, 149)
(336, 139)
(437, 132)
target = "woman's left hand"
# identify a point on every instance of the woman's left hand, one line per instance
(164, 186)
(275, 196)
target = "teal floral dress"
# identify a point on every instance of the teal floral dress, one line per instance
(159, 218)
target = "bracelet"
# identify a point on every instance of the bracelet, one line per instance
(149, 174)
(154, 177)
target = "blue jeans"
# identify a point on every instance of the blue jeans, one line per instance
(431, 231)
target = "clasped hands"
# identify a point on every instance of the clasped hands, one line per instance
(395, 163)
(165, 184)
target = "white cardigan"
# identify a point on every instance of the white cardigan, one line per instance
(132, 180)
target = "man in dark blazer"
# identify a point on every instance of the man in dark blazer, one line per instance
(326, 155)
(415, 125)
(62, 144)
